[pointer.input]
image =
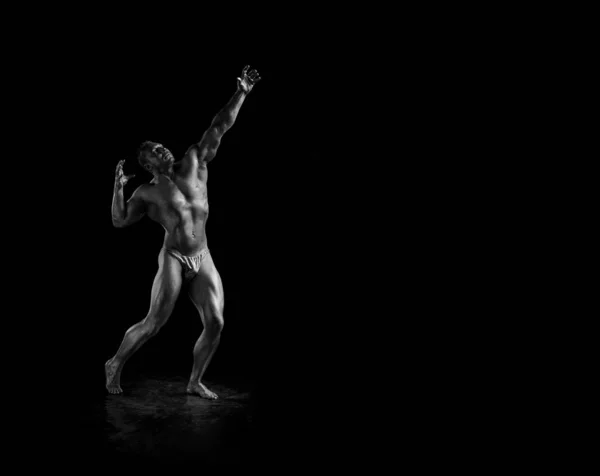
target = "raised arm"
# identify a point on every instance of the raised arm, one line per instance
(206, 149)
(122, 214)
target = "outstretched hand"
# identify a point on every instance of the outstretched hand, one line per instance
(120, 178)
(248, 79)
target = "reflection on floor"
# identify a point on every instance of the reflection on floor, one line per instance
(156, 421)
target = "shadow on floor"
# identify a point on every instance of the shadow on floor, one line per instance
(155, 421)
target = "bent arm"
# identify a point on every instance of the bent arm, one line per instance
(127, 214)
(206, 149)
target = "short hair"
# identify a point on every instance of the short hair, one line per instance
(142, 149)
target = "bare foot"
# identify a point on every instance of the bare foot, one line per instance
(113, 376)
(197, 388)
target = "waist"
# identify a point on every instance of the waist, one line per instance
(184, 243)
(197, 255)
(186, 251)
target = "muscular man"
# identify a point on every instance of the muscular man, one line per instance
(177, 199)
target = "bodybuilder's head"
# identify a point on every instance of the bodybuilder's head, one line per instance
(154, 157)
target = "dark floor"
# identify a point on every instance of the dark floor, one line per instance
(155, 422)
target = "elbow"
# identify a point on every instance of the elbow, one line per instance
(222, 123)
(118, 223)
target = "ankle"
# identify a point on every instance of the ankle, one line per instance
(113, 363)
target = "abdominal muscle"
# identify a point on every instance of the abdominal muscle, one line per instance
(183, 218)
(185, 235)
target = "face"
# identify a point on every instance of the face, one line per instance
(159, 158)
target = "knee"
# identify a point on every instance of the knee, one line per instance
(149, 328)
(153, 324)
(215, 324)
(152, 329)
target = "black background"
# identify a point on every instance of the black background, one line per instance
(277, 198)
(331, 215)
(250, 231)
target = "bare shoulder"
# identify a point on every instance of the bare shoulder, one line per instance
(193, 152)
(143, 192)
(187, 165)
(193, 163)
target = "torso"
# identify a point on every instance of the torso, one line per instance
(180, 205)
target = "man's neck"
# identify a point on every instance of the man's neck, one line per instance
(162, 176)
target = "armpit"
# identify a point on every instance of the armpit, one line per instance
(200, 155)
